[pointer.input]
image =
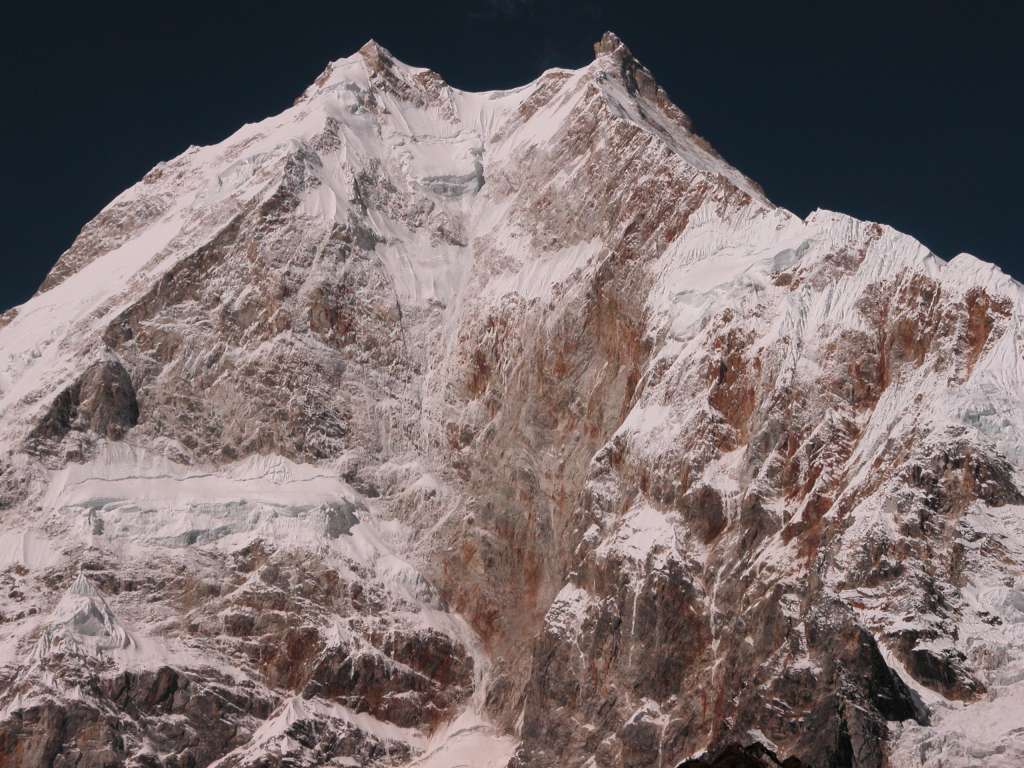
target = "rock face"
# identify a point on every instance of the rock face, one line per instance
(416, 426)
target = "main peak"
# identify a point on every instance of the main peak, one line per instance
(376, 55)
(611, 44)
(617, 57)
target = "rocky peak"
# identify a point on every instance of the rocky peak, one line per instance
(636, 76)
(611, 44)
(377, 57)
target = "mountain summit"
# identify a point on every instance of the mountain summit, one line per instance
(421, 427)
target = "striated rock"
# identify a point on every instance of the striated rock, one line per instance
(101, 402)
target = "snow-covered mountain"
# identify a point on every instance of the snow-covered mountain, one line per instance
(417, 427)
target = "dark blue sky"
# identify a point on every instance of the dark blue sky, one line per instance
(910, 115)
